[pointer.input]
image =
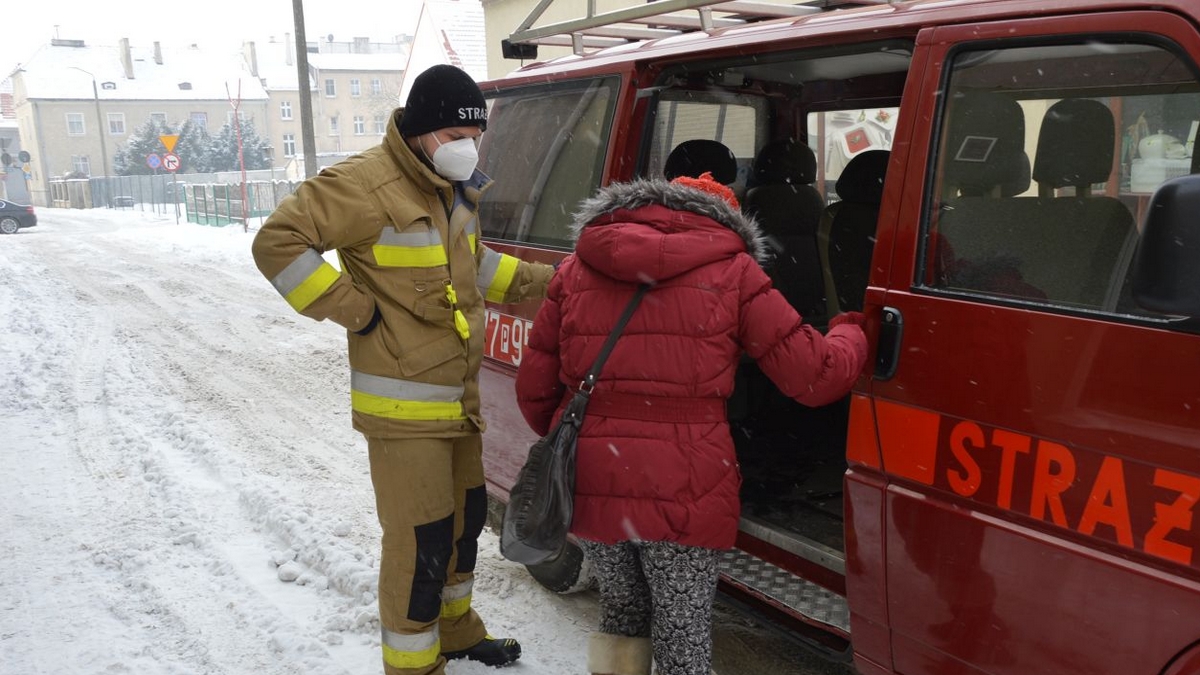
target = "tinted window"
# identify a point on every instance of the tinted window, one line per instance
(545, 147)
(1047, 158)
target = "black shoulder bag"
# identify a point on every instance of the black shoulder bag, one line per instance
(541, 502)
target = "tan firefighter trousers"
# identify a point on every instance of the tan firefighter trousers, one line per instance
(431, 502)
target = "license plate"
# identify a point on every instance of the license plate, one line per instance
(506, 337)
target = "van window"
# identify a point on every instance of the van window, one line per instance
(1047, 157)
(549, 158)
(730, 119)
(837, 136)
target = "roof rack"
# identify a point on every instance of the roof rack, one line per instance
(655, 19)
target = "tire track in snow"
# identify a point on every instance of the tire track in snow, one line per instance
(164, 472)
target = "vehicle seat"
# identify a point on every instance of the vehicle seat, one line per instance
(788, 209)
(1066, 250)
(849, 227)
(1075, 147)
(694, 157)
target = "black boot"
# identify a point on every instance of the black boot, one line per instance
(491, 651)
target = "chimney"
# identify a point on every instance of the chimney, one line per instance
(288, 47)
(126, 59)
(251, 56)
(157, 53)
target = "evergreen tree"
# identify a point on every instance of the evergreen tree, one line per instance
(130, 159)
(224, 148)
(194, 148)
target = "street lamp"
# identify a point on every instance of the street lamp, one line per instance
(99, 123)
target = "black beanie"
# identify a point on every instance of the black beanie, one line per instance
(443, 96)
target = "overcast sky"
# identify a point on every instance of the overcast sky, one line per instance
(205, 22)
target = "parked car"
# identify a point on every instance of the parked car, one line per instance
(14, 216)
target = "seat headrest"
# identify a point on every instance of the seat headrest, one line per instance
(694, 157)
(1075, 146)
(862, 179)
(785, 161)
(985, 144)
(1021, 183)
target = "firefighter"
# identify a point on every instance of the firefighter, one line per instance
(410, 293)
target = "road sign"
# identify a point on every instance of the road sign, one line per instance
(153, 161)
(23, 156)
(170, 162)
(169, 141)
(5, 160)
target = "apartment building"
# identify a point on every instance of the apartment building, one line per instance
(353, 87)
(76, 104)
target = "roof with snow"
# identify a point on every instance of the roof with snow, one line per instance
(185, 74)
(277, 65)
(448, 31)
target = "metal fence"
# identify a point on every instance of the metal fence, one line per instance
(205, 198)
(222, 204)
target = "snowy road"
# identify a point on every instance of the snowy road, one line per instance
(182, 491)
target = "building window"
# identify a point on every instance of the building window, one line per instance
(80, 164)
(285, 110)
(246, 118)
(380, 123)
(333, 125)
(360, 125)
(289, 145)
(116, 124)
(355, 87)
(75, 124)
(200, 119)
(159, 119)
(376, 86)
(330, 88)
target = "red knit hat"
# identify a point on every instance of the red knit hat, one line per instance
(705, 183)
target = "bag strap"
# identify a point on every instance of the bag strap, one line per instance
(589, 381)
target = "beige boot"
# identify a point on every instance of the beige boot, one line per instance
(619, 655)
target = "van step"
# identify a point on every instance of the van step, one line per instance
(803, 597)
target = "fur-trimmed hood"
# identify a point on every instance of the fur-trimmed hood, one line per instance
(643, 192)
(653, 228)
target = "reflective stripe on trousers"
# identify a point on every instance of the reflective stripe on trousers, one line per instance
(420, 650)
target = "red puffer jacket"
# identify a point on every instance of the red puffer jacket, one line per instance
(655, 457)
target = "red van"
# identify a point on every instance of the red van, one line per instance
(1009, 190)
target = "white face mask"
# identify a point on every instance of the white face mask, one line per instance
(455, 160)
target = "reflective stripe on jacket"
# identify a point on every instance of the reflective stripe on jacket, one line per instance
(408, 244)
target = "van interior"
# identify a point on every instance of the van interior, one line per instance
(811, 135)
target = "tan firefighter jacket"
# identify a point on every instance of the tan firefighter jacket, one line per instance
(408, 244)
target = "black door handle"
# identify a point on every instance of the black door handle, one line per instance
(891, 332)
